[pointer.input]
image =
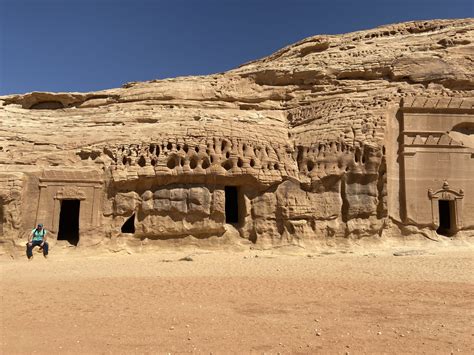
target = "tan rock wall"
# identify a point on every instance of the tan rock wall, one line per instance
(331, 137)
(11, 188)
(173, 211)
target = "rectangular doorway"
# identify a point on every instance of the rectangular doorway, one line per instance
(446, 217)
(69, 221)
(231, 205)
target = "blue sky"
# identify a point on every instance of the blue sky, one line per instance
(87, 45)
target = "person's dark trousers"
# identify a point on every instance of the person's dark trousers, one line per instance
(36, 243)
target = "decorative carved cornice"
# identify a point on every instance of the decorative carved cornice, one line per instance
(70, 193)
(430, 139)
(446, 193)
(434, 104)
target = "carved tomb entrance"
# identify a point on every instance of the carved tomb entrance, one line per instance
(437, 146)
(446, 217)
(69, 203)
(446, 207)
(69, 221)
(231, 205)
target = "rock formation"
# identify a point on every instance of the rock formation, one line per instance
(337, 136)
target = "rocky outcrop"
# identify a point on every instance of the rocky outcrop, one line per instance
(309, 136)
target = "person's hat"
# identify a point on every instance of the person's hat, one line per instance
(40, 225)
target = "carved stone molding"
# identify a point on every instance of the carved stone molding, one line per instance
(447, 194)
(434, 104)
(70, 193)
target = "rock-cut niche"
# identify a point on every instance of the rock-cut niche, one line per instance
(231, 205)
(129, 225)
(446, 217)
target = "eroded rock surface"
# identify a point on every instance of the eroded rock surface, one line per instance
(307, 144)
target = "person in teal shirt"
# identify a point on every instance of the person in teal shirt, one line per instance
(37, 237)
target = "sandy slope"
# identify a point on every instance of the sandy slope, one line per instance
(238, 302)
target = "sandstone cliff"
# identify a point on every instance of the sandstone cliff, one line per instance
(311, 137)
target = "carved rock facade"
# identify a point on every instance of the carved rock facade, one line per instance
(334, 137)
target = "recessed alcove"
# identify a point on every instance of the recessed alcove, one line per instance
(47, 105)
(129, 225)
(446, 217)
(69, 221)
(231, 205)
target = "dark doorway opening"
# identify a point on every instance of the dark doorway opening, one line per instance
(231, 205)
(69, 221)
(446, 214)
(129, 225)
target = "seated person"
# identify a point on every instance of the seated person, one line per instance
(37, 238)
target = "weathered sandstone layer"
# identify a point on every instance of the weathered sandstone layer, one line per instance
(365, 134)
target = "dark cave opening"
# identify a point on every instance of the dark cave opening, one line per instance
(129, 225)
(69, 221)
(231, 205)
(446, 210)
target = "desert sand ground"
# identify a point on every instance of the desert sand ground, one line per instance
(240, 302)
